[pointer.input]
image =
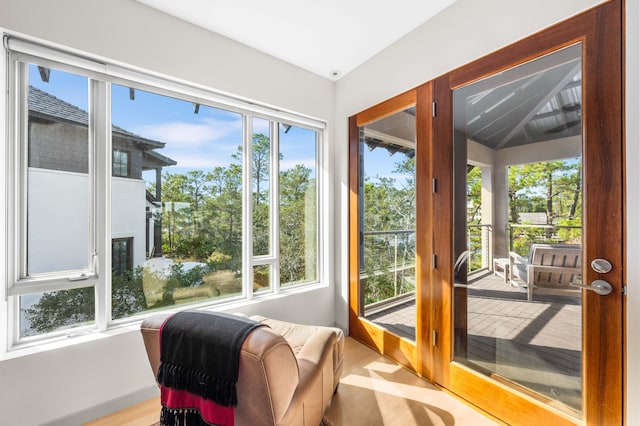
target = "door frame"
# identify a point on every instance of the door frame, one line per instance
(385, 342)
(600, 31)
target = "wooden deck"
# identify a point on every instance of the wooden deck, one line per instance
(534, 346)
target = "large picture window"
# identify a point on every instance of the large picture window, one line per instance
(219, 202)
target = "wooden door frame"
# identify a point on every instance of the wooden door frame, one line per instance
(600, 31)
(401, 350)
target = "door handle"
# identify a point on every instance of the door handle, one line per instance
(600, 287)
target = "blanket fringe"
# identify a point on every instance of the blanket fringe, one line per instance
(182, 417)
(182, 378)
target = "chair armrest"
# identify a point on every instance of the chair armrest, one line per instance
(315, 368)
(516, 258)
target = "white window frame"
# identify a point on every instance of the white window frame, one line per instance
(101, 75)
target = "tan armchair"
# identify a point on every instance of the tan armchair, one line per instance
(281, 381)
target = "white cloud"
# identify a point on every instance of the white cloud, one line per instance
(190, 134)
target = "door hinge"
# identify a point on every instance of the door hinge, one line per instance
(433, 108)
(624, 290)
(434, 185)
(434, 261)
(434, 338)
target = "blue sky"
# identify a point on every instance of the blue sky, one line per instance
(199, 141)
(196, 141)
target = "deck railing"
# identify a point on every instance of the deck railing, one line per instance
(520, 236)
(388, 265)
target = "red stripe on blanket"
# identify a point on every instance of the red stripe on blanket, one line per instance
(209, 411)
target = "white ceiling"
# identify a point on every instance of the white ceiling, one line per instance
(323, 37)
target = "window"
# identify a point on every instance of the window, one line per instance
(122, 256)
(221, 200)
(121, 163)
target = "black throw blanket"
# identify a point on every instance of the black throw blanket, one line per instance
(200, 354)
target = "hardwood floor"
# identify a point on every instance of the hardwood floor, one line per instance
(373, 391)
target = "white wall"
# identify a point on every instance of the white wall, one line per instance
(101, 372)
(633, 208)
(58, 217)
(128, 214)
(464, 32)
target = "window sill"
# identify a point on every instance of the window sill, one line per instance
(132, 324)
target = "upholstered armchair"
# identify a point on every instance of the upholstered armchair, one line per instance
(288, 372)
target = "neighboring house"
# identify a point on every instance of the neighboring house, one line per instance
(535, 218)
(58, 160)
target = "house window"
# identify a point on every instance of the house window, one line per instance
(122, 256)
(221, 200)
(53, 281)
(121, 164)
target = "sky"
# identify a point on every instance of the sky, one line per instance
(196, 141)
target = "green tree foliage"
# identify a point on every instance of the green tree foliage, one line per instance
(202, 222)
(553, 188)
(72, 307)
(298, 239)
(389, 216)
(474, 216)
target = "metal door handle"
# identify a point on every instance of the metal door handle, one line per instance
(600, 287)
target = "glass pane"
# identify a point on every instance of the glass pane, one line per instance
(261, 172)
(177, 211)
(388, 222)
(518, 228)
(261, 278)
(58, 172)
(56, 310)
(298, 206)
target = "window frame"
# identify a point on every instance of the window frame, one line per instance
(100, 76)
(121, 153)
(129, 252)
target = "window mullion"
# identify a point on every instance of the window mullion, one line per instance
(274, 205)
(100, 209)
(247, 207)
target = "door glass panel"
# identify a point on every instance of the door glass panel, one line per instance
(387, 222)
(518, 228)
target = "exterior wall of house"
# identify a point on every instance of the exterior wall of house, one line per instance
(90, 376)
(58, 146)
(128, 218)
(58, 220)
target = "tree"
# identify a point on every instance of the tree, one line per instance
(552, 187)
(63, 308)
(297, 202)
(389, 217)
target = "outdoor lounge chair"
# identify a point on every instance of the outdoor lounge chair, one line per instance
(550, 269)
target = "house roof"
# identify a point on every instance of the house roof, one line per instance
(46, 106)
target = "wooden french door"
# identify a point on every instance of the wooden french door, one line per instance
(475, 352)
(564, 86)
(386, 243)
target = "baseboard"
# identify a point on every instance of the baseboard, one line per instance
(106, 408)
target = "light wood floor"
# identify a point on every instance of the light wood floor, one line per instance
(373, 391)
